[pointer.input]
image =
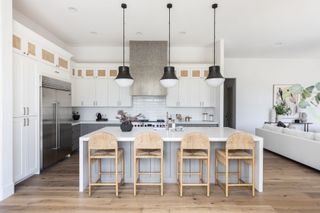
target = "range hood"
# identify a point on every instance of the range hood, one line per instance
(147, 61)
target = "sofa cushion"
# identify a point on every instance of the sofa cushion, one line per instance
(299, 133)
(317, 136)
(273, 128)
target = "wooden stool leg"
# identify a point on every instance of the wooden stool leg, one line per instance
(122, 167)
(208, 176)
(117, 181)
(239, 171)
(181, 174)
(161, 174)
(201, 169)
(227, 177)
(99, 169)
(177, 169)
(89, 174)
(253, 174)
(134, 175)
(216, 170)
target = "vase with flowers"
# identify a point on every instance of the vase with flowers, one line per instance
(126, 120)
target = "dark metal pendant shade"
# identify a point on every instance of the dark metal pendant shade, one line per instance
(123, 79)
(124, 72)
(169, 73)
(169, 78)
(214, 72)
(214, 78)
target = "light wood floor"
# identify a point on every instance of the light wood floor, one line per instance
(288, 188)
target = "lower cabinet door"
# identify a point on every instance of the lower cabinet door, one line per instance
(19, 133)
(25, 147)
(32, 148)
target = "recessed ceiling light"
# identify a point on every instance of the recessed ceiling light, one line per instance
(93, 33)
(139, 33)
(279, 43)
(72, 9)
(182, 32)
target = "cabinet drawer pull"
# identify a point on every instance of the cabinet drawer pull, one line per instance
(27, 121)
(27, 110)
(24, 111)
(56, 71)
(24, 122)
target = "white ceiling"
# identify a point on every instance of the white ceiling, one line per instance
(251, 28)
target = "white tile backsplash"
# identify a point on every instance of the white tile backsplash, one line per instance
(152, 107)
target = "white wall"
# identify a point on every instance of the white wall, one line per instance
(255, 79)
(6, 159)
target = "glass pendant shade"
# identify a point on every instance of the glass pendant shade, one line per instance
(124, 78)
(169, 78)
(214, 78)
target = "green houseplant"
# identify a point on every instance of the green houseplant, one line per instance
(282, 109)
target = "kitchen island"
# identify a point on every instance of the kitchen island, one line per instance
(172, 139)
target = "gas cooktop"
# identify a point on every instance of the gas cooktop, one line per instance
(149, 123)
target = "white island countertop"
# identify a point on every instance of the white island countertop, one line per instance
(214, 133)
(217, 136)
(117, 122)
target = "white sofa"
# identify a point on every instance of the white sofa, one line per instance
(303, 147)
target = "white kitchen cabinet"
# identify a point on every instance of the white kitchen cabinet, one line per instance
(191, 92)
(172, 99)
(83, 92)
(99, 92)
(125, 97)
(87, 91)
(19, 135)
(25, 147)
(207, 95)
(25, 86)
(118, 96)
(55, 60)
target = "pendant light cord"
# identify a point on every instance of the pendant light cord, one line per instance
(123, 38)
(169, 36)
(214, 37)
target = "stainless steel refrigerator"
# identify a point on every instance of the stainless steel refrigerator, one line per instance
(56, 121)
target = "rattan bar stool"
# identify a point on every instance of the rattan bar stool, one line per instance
(147, 145)
(103, 145)
(240, 147)
(194, 146)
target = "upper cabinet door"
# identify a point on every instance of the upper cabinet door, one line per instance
(172, 99)
(30, 86)
(113, 93)
(206, 94)
(125, 98)
(189, 92)
(87, 92)
(25, 86)
(101, 93)
(18, 99)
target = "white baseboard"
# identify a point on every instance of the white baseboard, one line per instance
(6, 191)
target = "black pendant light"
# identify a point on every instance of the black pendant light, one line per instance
(169, 78)
(123, 78)
(214, 78)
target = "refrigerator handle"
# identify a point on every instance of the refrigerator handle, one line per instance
(58, 125)
(56, 119)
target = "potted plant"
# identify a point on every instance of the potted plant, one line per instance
(282, 109)
(126, 119)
